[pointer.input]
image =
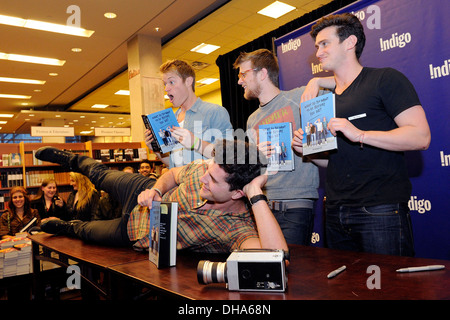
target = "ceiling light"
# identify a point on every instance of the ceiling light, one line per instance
(45, 26)
(207, 80)
(123, 92)
(3, 122)
(18, 80)
(5, 115)
(110, 15)
(276, 9)
(205, 48)
(100, 106)
(53, 74)
(76, 49)
(14, 96)
(31, 59)
(86, 132)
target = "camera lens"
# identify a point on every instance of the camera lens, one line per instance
(211, 272)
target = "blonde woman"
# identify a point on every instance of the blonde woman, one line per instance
(83, 202)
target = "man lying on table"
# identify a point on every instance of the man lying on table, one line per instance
(213, 213)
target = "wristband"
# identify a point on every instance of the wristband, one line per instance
(256, 198)
(195, 141)
(158, 191)
(361, 138)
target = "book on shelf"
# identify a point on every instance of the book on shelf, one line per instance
(160, 123)
(11, 178)
(280, 137)
(11, 159)
(315, 114)
(163, 234)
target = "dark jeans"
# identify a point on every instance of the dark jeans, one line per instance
(122, 186)
(296, 224)
(384, 229)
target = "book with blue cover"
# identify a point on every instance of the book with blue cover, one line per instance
(160, 123)
(280, 137)
(315, 115)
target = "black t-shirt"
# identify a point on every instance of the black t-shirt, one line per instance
(370, 176)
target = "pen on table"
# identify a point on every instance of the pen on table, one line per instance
(334, 273)
(424, 268)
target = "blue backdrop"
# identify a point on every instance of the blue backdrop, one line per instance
(413, 37)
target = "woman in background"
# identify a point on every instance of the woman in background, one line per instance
(83, 202)
(48, 202)
(18, 214)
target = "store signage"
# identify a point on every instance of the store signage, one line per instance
(52, 132)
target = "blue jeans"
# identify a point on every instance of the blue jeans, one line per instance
(123, 186)
(296, 224)
(384, 229)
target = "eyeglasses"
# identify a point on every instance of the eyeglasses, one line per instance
(241, 75)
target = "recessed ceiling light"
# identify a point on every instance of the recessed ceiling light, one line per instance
(123, 92)
(6, 115)
(100, 106)
(276, 9)
(76, 49)
(157, 29)
(31, 59)
(3, 122)
(205, 48)
(110, 15)
(53, 74)
(19, 80)
(45, 26)
(86, 132)
(37, 90)
(14, 96)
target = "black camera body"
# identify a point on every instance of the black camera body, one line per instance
(247, 270)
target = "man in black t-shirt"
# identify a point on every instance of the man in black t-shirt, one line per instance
(378, 116)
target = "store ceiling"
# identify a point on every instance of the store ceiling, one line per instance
(93, 75)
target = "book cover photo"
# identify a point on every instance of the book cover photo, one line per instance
(160, 123)
(315, 114)
(163, 234)
(280, 136)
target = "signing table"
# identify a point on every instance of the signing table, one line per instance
(367, 276)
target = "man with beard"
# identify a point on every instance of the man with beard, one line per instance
(292, 193)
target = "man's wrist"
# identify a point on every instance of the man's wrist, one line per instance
(158, 191)
(256, 198)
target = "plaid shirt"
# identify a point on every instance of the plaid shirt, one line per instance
(199, 229)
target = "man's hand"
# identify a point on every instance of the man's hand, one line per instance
(148, 139)
(255, 186)
(147, 196)
(297, 141)
(346, 127)
(184, 136)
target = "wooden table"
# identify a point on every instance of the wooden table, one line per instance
(307, 278)
(307, 273)
(89, 257)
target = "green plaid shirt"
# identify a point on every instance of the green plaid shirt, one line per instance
(199, 230)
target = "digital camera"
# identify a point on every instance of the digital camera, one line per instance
(247, 270)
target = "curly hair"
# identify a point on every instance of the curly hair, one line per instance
(86, 189)
(241, 160)
(347, 24)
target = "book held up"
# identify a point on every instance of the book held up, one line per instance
(315, 114)
(160, 123)
(280, 137)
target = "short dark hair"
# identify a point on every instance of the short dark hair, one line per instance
(347, 24)
(261, 58)
(242, 161)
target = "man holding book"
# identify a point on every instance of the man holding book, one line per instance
(378, 117)
(291, 193)
(211, 195)
(200, 122)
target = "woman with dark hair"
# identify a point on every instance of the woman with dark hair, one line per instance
(48, 202)
(19, 213)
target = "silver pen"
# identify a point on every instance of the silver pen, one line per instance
(334, 273)
(424, 268)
